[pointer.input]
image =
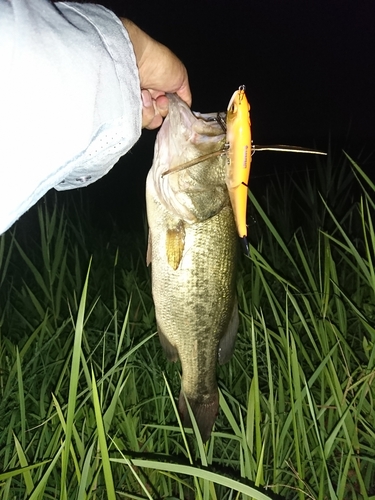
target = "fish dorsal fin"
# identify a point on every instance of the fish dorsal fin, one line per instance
(175, 243)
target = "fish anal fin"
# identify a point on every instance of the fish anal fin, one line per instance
(169, 349)
(175, 243)
(228, 341)
(205, 413)
(149, 249)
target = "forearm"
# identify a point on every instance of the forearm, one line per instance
(75, 90)
(139, 39)
(69, 99)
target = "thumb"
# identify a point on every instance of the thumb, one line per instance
(151, 117)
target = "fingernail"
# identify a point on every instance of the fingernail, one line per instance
(146, 99)
(163, 105)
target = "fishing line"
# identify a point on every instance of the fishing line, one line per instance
(254, 148)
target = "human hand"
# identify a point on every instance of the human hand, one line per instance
(160, 71)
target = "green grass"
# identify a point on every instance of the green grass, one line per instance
(87, 399)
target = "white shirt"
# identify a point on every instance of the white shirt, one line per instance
(70, 100)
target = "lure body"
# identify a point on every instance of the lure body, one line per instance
(238, 156)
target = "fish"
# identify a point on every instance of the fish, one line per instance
(192, 250)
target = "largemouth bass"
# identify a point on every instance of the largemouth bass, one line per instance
(192, 248)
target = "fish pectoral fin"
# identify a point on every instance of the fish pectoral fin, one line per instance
(175, 243)
(149, 250)
(228, 341)
(170, 350)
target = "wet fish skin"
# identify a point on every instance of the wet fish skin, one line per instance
(192, 247)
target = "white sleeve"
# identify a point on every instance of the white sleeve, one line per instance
(70, 101)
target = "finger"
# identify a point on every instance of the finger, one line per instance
(162, 104)
(184, 92)
(150, 115)
(154, 123)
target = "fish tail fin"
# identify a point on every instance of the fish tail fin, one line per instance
(205, 413)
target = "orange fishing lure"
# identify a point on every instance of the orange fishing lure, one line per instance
(238, 156)
(239, 149)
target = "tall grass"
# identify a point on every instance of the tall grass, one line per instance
(87, 400)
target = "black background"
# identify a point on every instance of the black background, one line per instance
(308, 67)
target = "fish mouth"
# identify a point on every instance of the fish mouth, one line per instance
(186, 136)
(199, 128)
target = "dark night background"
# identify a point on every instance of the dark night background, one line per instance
(309, 70)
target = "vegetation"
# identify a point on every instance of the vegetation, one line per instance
(87, 400)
